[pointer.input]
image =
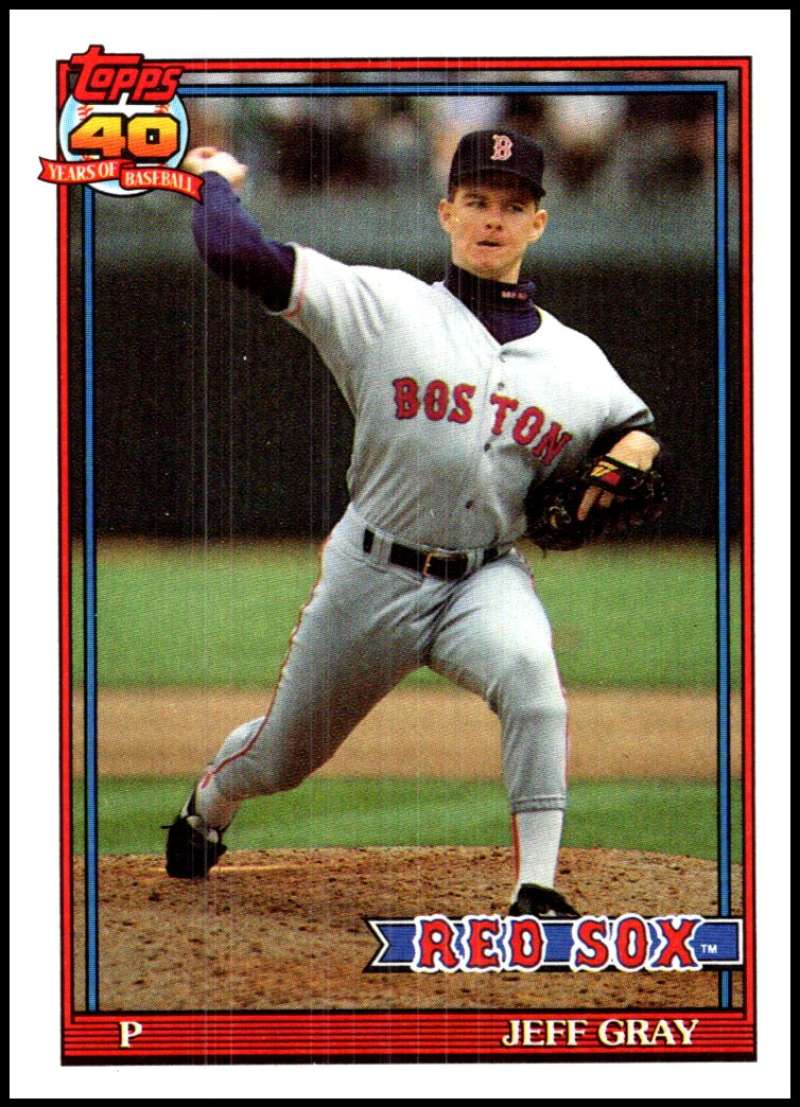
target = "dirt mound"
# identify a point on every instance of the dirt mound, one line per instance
(285, 929)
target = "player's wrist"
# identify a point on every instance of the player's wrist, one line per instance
(637, 448)
(208, 159)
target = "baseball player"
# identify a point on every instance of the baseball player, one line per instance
(463, 393)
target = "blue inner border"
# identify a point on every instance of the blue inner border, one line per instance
(723, 551)
(406, 89)
(723, 597)
(90, 610)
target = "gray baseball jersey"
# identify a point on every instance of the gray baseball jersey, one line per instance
(450, 428)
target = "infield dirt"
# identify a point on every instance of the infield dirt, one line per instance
(418, 731)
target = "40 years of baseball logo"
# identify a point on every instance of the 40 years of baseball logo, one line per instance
(123, 130)
(405, 881)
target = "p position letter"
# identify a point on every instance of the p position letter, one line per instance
(127, 1032)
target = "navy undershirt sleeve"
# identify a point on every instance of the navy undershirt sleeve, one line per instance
(232, 245)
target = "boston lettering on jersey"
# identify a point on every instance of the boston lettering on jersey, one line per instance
(436, 402)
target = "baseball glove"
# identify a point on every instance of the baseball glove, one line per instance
(551, 507)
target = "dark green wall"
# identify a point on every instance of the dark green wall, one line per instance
(213, 418)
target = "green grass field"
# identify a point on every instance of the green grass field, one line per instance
(662, 816)
(634, 616)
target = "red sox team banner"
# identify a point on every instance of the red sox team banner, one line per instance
(485, 943)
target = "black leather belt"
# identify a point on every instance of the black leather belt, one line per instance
(441, 564)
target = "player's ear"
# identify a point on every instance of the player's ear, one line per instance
(539, 224)
(445, 213)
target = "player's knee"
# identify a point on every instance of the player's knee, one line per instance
(544, 715)
(528, 672)
(527, 695)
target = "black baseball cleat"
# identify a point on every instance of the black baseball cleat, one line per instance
(543, 903)
(192, 848)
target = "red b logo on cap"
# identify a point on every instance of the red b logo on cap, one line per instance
(503, 148)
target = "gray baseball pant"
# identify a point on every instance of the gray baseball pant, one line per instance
(367, 624)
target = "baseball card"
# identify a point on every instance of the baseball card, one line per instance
(401, 436)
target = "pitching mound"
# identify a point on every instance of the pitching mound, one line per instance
(285, 929)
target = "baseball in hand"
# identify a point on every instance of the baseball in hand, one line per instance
(208, 159)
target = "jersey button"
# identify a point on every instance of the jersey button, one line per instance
(500, 384)
(469, 504)
(488, 446)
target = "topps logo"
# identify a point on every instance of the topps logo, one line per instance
(103, 78)
(123, 129)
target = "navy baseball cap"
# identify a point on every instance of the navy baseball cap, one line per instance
(498, 151)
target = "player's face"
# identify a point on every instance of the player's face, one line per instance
(490, 227)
